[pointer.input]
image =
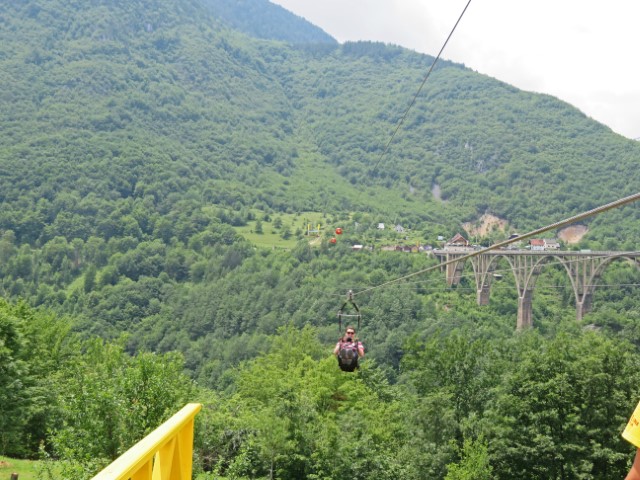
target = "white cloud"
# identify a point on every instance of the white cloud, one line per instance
(582, 51)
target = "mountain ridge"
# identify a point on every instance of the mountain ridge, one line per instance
(265, 20)
(168, 90)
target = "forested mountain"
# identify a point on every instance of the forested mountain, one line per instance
(187, 110)
(263, 19)
(146, 145)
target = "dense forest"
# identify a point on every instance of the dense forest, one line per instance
(146, 145)
(262, 19)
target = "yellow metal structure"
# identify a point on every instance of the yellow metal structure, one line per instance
(317, 231)
(164, 454)
(631, 432)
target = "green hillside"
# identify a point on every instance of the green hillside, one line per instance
(266, 20)
(208, 116)
(160, 162)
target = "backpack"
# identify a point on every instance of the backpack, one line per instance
(348, 356)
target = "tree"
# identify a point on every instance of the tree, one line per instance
(14, 380)
(455, 368)
(110, 400)
(33, 345)
(90, 278)
(559, 412)
(474, 464)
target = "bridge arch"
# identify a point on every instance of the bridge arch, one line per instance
(583, 268)
(525, 269)
(584, 274)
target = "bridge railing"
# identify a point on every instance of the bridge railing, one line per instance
(164, 454)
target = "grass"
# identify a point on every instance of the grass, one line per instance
(269, 238)
(269, 231)
(26, 469)
(273, 230)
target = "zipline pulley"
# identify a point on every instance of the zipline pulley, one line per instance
(341, 313)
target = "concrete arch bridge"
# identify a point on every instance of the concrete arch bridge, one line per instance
(583, 267)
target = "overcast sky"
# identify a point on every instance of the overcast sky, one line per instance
(586, 52)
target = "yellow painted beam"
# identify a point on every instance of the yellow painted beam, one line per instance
(164, 454)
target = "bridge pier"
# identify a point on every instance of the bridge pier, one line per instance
(482, 294)
(454, 269)
(483, 267)
(526, 269)
(525, 317)
(583, 306)
(584, 274)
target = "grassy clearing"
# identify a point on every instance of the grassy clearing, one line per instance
(282, 230)
(26, 469)
(269, 238)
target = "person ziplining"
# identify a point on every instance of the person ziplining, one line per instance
(349, 350)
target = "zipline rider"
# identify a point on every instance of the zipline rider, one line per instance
(348, 350)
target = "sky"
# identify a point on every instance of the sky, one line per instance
(585, 52)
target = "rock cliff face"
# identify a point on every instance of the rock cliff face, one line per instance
(485, 225)
(572, 234)
(488, 223)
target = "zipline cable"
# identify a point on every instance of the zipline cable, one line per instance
(553, 226)
(415, 97)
